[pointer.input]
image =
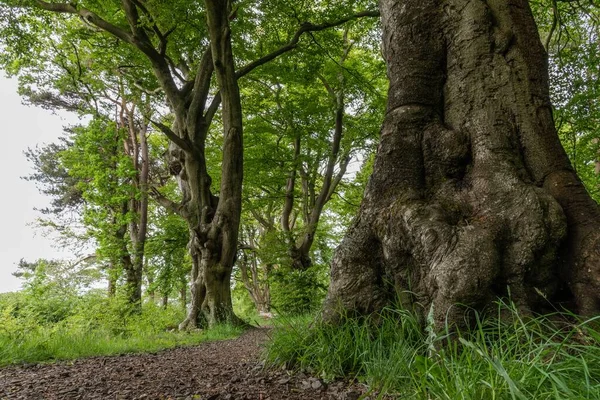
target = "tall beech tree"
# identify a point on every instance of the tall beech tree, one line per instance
(136, 148)
(306, 117)
(309, 125)
(183, 62)
(100, 173)
(472, 192)
(319, 170)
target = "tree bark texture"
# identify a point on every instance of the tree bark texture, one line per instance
(214, 228)
(472, 192)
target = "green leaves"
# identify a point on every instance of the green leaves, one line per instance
(572, 35)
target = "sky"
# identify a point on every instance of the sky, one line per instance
(22, 127)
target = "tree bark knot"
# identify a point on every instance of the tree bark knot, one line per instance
(452, 214)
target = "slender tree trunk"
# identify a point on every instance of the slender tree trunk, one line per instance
(257, 287)
(150, 278)
(136, 148)
(183, 295)
(139, 227)
(299, 250)
(112, 280)
(133, 280)
(471, 191)
(264, 303)
(261, 287)
(132, 265)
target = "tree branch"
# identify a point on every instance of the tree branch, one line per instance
(261, 220)
(133, 18)
(182, 143)
(138, 39)
(327, 86)
(304, 28)
(88, 16)
(291, 45)
(338, 178)
(212, 109)
(554, 24)
(166, 203)
(201, 86)
(288, 204)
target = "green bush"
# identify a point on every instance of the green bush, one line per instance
(243, 306)
(295, 292)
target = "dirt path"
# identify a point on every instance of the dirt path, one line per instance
(210, 371)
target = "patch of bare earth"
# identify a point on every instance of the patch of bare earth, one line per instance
(214, 370)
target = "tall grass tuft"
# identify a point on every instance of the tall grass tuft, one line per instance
(500, 356)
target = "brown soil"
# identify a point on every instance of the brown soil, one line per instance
(211, 371)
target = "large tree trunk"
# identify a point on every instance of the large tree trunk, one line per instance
(471, 191)
(214, 224)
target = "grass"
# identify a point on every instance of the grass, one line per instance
(547, 357)
(63, 344)
(92, 326)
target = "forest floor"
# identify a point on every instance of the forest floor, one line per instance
(221, 370)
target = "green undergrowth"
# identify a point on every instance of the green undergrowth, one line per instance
(92, 326)
(501, 356)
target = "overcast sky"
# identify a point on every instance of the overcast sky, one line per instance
(22, 127)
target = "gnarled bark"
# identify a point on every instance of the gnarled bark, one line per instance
(214, 238)
(471, 191)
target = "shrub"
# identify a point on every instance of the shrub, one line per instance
(296, 292)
